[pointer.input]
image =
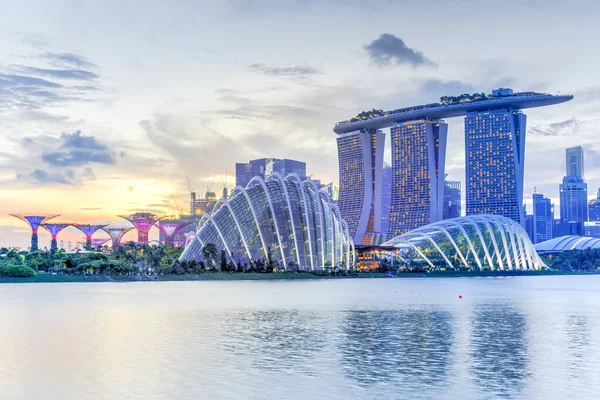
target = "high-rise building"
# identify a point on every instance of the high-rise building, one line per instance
(573, 192)
(543, 218)
(574, 165)
(528, 225)
(264, 167)
(418, 163)
(494, 152)
(386, 198)
(360, 155)
(594, 208)
(451, 207)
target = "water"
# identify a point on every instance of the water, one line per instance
(521, 337)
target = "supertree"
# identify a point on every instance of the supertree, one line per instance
(170, 230)
(34, 222)
(116, 233)
(88, 230)
(54, 229)
(142, 221)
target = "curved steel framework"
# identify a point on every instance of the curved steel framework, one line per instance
(143, 222)
(34, 222)
(54, 229)
(170, 229)
(566, 243)
(483, 242)
(88, 230)
(286, 220)
(116, 233)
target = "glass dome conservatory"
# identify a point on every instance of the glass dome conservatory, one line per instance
(483, 242)
(289, 221)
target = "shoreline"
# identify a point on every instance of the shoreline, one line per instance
(45, 278)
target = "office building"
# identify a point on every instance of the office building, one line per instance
(494, 152)
(386, 198)
(573, 193)
(452, 203)
(594, 208)
(543, 218)
(418, 162)
(264, 167)
(360, 155)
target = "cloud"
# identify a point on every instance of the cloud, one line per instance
(391, 50)
(74, 158)
(78, 74)
(91, 208)
(568, 127)
(78, 141)
(294, 70)
(41, 176)
(22, 81)
(68, 59)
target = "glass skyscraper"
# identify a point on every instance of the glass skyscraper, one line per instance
(360, 155)
(543, 218)
(494, 153)
(386, 198)
(418, 163)
(573, 191)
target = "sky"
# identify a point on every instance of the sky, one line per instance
(107, 107)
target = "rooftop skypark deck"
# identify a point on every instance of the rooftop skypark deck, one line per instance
(450, 106)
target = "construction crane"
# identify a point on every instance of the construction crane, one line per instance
(179, 210)
(191, 189)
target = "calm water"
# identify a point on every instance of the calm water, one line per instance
(534, 338)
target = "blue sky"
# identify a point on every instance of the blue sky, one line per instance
(106, 107)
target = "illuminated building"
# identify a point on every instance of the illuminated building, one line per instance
(54, 229)
(386, 197)
(482, 242)
(143, 222)
(116, 233)
(494, 153)
(88, 230)
(34, 222)
(169, 230)
(418, 165)
(360, 155)
(288, 222)
(202, 206)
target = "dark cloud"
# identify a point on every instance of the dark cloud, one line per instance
(41, 176)
(68, 60)
(391, 50)
(568, 127)
(78, 141)
(294, 70)
(77, 74)
(74, 158)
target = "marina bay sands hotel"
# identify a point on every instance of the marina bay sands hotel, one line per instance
(494, 160)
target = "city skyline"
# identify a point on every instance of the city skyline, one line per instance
(113, 123)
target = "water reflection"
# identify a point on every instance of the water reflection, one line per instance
(578, 342)
(277, 340)
(498, 357)
(409, 347)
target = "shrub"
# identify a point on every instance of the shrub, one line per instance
(16, 271)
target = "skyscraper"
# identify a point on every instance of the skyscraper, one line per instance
(494, 152)
(574, 165)
(386, 198)
(543, 218)
(360, 155)
(452, 203)
(418, 163)
(573, 192)
(264, 167)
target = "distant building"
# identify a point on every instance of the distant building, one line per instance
(594, 208)
(264, 167)
(386, 198)
(569, 228)
(199, 206)
(573, 193)
(543, 218)
(494, 155)
(529, 226)
(418, 163)
(592, 229)
(451, 207)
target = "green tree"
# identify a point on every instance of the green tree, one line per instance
(210, 253)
